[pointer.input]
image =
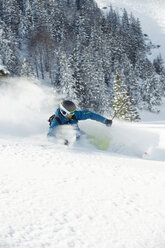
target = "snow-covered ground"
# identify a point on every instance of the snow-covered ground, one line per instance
(52, 196)
(151, 14)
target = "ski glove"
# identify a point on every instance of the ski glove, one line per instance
(108, 123)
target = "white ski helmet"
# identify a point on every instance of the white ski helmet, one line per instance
(67, 107)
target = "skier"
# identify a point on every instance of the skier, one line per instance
(67, 114)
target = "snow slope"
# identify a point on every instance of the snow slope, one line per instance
(53, 196)
(151, 15)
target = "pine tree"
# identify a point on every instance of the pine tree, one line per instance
(158, 64)
(80, 88)
(113, 20)
(58, 21)
(150, 86)
(66, 78)
(11, 14)
(26, 69)
(97, 95)
(83, 28)
(129, 77)
(8, 49)
(121, 96)
(137, 46)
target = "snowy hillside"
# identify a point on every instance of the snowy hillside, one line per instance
(151, 15)
(60, 197)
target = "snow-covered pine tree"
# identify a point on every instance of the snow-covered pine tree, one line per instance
(121, 96)
(59, 22)
(11, 14)
(80, 88)
(103, 44)
(26, 69)
(113, 21)
(150, 86)
(137, 46)
(97, 93)
(66, 78)
(158, 64)
(82, 36)
(130, 80)
(125, 33)
(8, 49)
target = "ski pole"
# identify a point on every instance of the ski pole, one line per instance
(118, 110)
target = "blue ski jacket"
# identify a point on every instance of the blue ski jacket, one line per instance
(79, 115)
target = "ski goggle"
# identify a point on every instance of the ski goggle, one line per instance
(65, 112)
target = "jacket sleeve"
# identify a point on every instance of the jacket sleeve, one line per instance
(52, 128)
(85, 114)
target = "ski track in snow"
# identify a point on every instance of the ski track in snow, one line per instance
(52, 196)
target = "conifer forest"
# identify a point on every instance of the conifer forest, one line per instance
(96, 59)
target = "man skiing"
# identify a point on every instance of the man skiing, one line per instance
(67, 114)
